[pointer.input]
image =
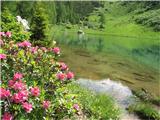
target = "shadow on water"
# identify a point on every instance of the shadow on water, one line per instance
(152, 54)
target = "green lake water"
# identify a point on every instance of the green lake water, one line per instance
(132, 60)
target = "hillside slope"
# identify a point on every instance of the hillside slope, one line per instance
(121, 20)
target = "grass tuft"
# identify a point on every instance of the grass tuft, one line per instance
(95, 106)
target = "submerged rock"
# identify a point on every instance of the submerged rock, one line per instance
(122, 94)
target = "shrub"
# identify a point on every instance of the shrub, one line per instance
(68, 26)
(150, 18)
(34, 82)
(9, 23)
(101, 26)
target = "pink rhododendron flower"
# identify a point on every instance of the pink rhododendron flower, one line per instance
(16, 98)
(17, 76)
(27, 107)
(46, 104)
(2, 56)
(56, 50)
(2, 33)
(11, 83)
(44, 49)
(7, 116)
(34, 49)
(19, 85)
(63, 66)
(70, 75)
(8, 34)
(61, 76)
(21, 96)
(35, 91)
(76, 107)
(4, 93)
(24, 44)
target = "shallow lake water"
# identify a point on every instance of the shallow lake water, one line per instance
(120, 93)
(134, 61)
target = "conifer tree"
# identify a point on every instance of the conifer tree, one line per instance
(39, 25)
(102, 20)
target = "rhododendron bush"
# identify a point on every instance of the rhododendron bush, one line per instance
(33, 82)
(10, 24)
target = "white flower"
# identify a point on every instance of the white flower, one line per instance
(24, 22)
(19, 18)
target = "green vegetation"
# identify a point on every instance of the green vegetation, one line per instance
(144, 95)
(150, 18)
(95, 106)
(120, 20)
(102, 20)
(59, 12)
(121, 41)
(147, 106)
(145, 111)
(145, 13)
(39, 25)
(9, 23)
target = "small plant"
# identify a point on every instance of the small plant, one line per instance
(156, 101)
(145, 111)
(145, 96)
(95, 106)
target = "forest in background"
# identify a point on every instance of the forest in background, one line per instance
(57, 11)
(145, 12)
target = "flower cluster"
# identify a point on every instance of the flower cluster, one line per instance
(2, 56)
(46, 104)
(4, 93)
(20, 95)
(7, 34)
(35, 91)
(56, 50)
(63, 66)
(24, 44)
(7, 116)
(38, 87)
(62, 76)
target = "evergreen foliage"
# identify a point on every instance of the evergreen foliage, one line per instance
(102, 20)
(39, 25)
(59, 12)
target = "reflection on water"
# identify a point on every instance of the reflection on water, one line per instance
(145, 51)
(122, 94)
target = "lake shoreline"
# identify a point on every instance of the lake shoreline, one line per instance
(109, 66)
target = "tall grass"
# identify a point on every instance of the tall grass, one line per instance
(95, 106)
(145, 111)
